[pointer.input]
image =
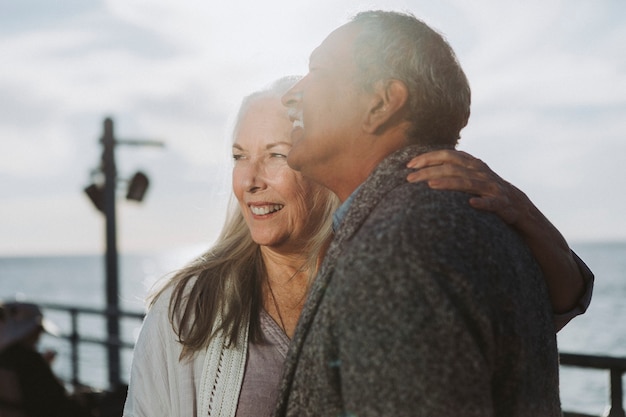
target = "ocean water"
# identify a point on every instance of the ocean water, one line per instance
(80, 280)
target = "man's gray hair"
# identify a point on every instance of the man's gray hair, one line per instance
(395, 45)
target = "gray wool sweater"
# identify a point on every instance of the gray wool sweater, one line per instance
(423, 307)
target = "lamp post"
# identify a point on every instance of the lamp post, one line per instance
(103, 197)
(111, 264)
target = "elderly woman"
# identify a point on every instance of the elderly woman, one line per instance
(216, 335)
(215, 338)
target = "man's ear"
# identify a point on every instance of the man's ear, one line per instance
(386, 105)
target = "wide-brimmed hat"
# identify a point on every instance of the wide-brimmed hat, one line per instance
(19, 320)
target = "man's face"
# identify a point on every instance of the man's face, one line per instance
(326, 108)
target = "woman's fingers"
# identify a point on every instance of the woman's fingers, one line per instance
(460, 171)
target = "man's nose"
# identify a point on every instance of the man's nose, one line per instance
(292, 97)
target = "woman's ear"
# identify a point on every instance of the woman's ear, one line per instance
(386, 105)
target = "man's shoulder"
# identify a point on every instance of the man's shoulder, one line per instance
(389, 209)
(417, 218)
(420, 194)
(418, 205)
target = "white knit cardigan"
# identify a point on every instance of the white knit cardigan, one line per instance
(160, 385)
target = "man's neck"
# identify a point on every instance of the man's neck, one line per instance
(356, 170)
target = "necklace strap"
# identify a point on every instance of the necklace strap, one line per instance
(280, 317)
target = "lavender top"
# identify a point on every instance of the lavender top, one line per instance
(264, 366)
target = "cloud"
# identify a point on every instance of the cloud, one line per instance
(549, 92)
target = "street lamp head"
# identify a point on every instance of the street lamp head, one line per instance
(96, 195)
(137, 187)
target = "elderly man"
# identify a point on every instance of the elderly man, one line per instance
(423, 306)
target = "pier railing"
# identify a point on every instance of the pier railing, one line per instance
(75, 338)
(615, 366)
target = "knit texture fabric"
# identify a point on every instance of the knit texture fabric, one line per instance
(423, 307)
(160, 385)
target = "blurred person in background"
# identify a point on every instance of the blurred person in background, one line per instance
(28, 386)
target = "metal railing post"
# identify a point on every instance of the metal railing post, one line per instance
(74, 337)
(617, 394)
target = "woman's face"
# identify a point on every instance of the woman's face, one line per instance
(276, 201)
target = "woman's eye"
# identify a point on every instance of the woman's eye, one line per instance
(237, 157)
(278, 155)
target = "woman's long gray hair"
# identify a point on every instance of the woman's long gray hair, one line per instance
(221, 290)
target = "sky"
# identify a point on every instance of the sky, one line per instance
(548, 107)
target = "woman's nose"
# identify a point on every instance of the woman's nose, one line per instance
(254, 177)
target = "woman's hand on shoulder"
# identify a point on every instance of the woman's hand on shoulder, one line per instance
(457, 170)
(460, 171)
